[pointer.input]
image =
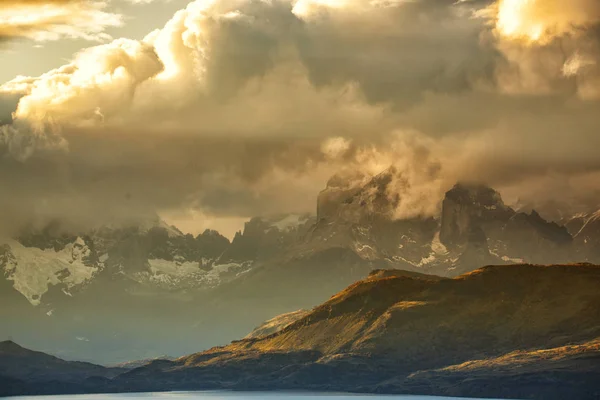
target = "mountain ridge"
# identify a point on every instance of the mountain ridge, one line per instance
(384, 322)
(276, 264)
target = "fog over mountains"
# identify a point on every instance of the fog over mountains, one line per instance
(121, 293)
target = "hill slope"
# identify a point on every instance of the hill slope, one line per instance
(24, 371)
(378, 334)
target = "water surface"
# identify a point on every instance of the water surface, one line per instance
(223, 395)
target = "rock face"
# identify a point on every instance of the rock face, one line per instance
(466, 208)
(586, 233)
(361, 219)
(472, 213)
(267, 237)
(337, 191)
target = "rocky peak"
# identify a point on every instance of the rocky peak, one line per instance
(362, 219)
(358, 199)
(551, 209)
(467, 206)
(339, 189)
(266, 236)
(548, 230)
(480, 198)
(211, 243)
(52, 236)
(476, 252)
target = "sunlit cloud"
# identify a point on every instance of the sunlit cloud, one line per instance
(52, 20)
(540, 21)
(550, 46)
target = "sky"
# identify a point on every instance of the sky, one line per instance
(209, 112)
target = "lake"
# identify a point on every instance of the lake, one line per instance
(218, 395)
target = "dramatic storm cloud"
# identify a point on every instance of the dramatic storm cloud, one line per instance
(241, 107)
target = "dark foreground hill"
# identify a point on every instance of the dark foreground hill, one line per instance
(23, 371)
(519, 331)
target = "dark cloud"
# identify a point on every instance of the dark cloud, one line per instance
(399, 53)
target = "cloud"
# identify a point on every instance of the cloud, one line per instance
(99, 78)
(550, 46)
(540, 21)
(243, 107)
(45, 20)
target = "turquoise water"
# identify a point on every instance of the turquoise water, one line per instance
(218, 395)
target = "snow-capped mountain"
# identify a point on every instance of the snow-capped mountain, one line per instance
(156, 255)
(152, 254)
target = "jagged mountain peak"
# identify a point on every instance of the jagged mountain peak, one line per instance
(366, 198)
(141, 226)
(347, 180)
(266, 236)
(476, 195)
(466, 206)
(209, 233)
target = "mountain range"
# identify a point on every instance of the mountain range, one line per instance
(114, 294)
(511, 331)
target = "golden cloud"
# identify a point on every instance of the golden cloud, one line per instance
(541, 21)
(41, 20)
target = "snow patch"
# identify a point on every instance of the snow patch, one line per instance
(513, 260)
(427, 260)
(289, 222)
(408, 239)
(437, 246)
(174, 268)
(365, 251)
(34, 270)
(177, 272)
(507, 258)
